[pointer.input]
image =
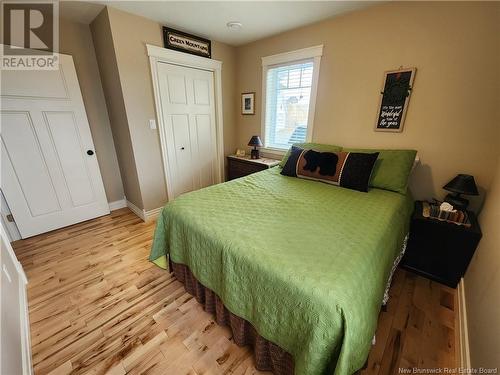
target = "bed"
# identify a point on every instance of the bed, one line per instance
(303, 262)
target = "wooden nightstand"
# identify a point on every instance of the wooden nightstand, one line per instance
(243, 166)
(439, 250)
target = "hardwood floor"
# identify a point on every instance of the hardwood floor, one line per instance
(97, 305)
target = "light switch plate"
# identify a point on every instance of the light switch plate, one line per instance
(152, 124)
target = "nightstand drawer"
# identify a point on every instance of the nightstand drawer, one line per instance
(240, 167)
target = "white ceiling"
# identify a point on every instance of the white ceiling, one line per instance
(260, 19)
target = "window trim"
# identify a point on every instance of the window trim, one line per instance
(314, 53)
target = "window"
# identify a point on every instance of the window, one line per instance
(289, 82)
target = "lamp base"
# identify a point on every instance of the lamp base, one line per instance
(254, 154)
(457, 201)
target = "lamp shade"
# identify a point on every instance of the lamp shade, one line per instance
(462, 184)
(255, 141)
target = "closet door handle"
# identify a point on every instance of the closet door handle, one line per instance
(90, 152)
(182, 148)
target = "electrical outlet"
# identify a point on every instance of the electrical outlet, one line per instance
(152, 124)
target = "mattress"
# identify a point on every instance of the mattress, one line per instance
(305, 263)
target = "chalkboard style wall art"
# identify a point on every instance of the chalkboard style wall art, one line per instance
(394, 100)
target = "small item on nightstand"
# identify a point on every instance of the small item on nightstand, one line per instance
(255, 142)
(240, 153)
(445, 212)
(461, 184)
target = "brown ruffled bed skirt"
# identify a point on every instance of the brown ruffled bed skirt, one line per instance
(268, 356)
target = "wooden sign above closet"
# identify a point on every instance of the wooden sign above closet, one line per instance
(184, 42)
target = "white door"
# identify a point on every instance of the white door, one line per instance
(188, 112)
(50, 175)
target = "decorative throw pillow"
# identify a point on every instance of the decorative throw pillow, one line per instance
(392, 169)
(351, 170)
(290, 167)
(310, 146)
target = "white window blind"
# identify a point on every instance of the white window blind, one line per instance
(288, 94)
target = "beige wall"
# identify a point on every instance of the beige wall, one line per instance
(227, 55)
(104, 48)
(76, 40)
(450, 120)
(135, 77)
(482, 285)
(132, 76)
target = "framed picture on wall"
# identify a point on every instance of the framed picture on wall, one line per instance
(248, 103)
(394, 100)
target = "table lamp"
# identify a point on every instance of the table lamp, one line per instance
(255, 142)
(461, 184)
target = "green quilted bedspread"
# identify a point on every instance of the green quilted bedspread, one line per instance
(306, 263)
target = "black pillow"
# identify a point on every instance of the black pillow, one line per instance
(290, 167)
(357, 170)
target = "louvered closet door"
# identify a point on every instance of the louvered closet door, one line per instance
(188, 112)
(50, 175)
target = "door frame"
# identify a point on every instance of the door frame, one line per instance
(162, 55)
(23, 300)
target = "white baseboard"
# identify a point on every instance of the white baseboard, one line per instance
(463, 331)
(152, 214)
(136, 210)
(116, 205)
(144, 215)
